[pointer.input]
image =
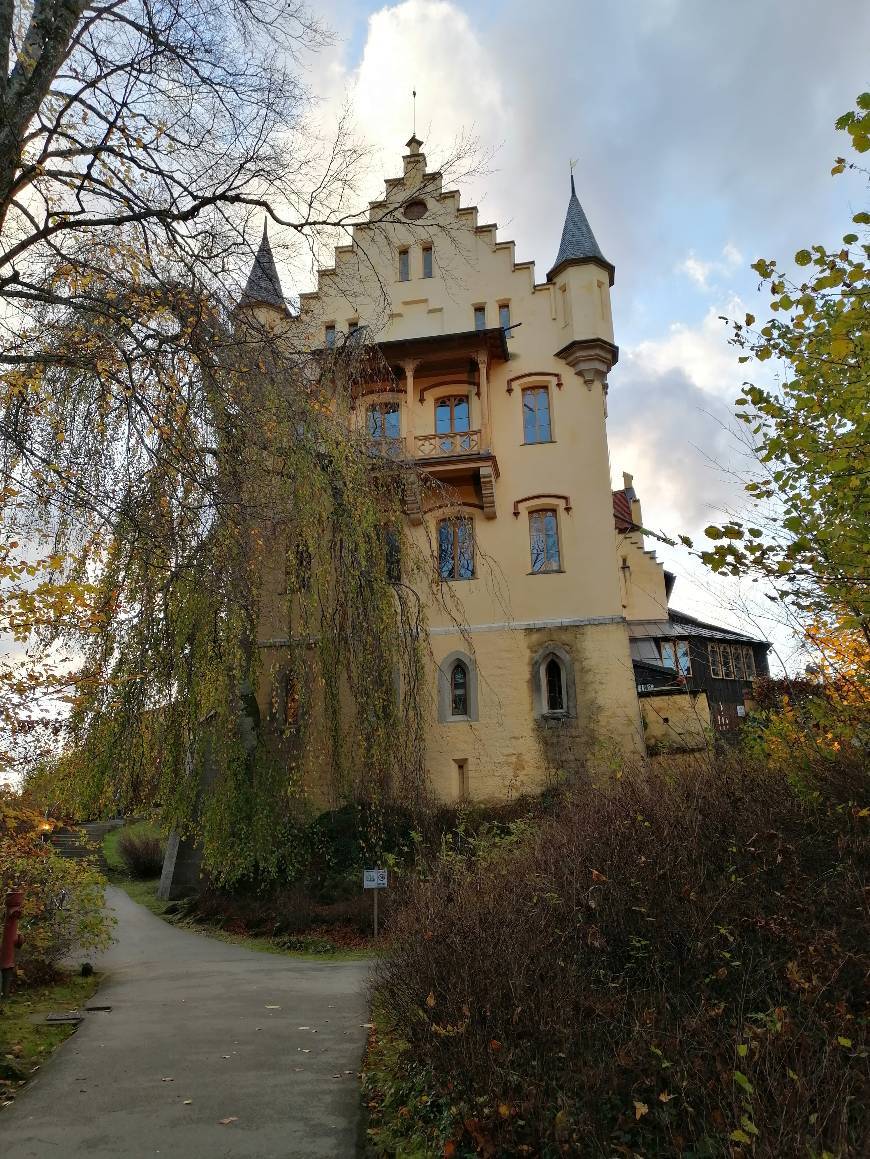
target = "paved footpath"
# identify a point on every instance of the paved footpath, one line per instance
(271, 1042)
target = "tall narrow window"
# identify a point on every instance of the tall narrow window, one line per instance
(684, 658)
(404, 266)
(737, 657)
(456, 549)
(480, 317)
(544, 538)
(452, 418)
(749, 663)
(536, 415)
(427, 261)
(727, 663)
(462, 777)
(353, 326)
(504, 318)
(459, 690)
(330, 336)
(715, 661)
(554, 685)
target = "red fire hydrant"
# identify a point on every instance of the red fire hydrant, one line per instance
(12, 940)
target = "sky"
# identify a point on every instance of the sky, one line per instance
(703, 138)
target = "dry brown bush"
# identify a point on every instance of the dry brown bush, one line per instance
(142, 854)
(673, 965)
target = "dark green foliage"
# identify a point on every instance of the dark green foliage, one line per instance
(668, 966)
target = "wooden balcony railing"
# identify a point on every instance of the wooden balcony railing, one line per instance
(444, 446)
(387, 448)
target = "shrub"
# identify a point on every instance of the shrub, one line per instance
(64, 905)
(669, 966)
(142, 854)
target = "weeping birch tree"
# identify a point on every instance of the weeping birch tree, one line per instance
(170, 468)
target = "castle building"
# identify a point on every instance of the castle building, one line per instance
(498, 391)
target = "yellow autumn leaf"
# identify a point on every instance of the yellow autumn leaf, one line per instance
(640, 1109)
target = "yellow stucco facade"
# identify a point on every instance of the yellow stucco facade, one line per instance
(548, 683)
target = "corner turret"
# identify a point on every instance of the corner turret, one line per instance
(263, 289)
(582, 277)
(578, 244)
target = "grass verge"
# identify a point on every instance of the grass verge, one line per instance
(24, 1044)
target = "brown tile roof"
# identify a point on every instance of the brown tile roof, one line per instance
(622, 511)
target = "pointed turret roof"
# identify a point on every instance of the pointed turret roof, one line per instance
(264, 284)
(578, 241)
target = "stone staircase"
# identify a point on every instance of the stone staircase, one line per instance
(81, 841)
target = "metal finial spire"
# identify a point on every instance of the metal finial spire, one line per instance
(572, 161)
(414, 108)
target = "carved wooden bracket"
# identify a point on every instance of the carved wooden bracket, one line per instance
(487, 488)
(413, 500)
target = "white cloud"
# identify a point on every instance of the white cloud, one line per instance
(430, 46)
(700, 271)
(702, 353)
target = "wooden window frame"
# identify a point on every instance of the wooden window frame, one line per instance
(536, 390)
(428, 261)
(456, 523)
(384, 407)
(404, 265)
(540, 514)
(714, 657)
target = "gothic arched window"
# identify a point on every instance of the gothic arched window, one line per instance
(554, 693)
(459, 689)
(554, 685)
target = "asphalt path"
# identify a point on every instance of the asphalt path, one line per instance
(209, 1051)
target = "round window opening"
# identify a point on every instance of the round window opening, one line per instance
(414, 210)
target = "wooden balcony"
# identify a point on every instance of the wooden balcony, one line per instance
(447, 445)
(386, 448)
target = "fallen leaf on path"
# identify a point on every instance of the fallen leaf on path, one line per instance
(273, 1007)
(167, 1080)
(187, 1102)
(230, 1119)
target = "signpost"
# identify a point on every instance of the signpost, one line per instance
(375, 879)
